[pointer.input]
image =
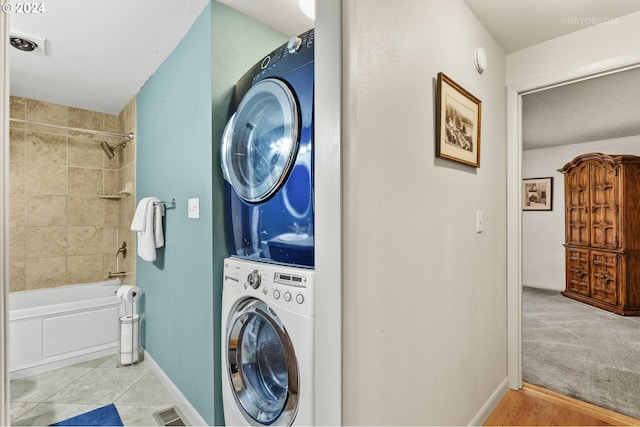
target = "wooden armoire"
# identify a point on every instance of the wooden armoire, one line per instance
(602, 231)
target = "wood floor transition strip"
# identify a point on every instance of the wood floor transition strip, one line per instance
(533, 405)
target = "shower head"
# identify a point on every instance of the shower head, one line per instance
(109, 150)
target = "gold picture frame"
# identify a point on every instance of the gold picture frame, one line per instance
(459, 115)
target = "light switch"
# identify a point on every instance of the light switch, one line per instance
(479, 222)
(194, 208)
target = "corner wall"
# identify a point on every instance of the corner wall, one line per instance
(174, 160)
(543, 257)
(425, 325)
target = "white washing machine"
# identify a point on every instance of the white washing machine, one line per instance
(267, 344)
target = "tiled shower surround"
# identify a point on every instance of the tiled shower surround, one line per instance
(61, 231)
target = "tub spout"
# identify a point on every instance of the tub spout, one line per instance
(117, 275)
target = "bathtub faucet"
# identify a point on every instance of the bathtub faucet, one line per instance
(122, 250)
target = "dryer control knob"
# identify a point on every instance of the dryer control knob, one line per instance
(254, 279)
(294, 44)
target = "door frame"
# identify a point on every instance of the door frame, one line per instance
(514, 190)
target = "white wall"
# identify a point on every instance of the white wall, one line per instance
(424, 317)
(543, 232)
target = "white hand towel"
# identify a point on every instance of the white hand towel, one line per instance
(143, 224)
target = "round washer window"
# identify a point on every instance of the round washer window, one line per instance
(262, 366)
(260, 140)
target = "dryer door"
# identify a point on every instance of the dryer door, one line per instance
(262, 366)
(260, 140)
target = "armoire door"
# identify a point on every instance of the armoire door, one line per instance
(604, 205)
(578, 271)
(577, 205)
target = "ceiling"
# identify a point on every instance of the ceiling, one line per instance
(283, 16)
(101, 52)
(601, 108)
(517, 24)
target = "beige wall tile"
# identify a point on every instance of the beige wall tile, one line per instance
(84, 151)
(111, 123)
(85, 268)
(16, 275)
(16, 178)
(42, 211)
(17, 145)
(41, 179)
(45, 272)
(86, 119)
(110, 241)
(111, 182)
(17, 107)
(46, 148)
(46, 112)
(16, 210)
(84, 211)
(84, 240)
(60, 233)
(85, 182)
(46, 242)
(110, 265)
(16, 242)
(111, 213)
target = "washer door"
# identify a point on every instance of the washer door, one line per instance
(260, 140)
(262, 366)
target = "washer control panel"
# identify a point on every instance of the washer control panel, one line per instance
(288, 287)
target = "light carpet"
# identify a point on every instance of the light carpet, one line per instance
(581, 351)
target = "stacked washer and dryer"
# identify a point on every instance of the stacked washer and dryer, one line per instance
(268, 287)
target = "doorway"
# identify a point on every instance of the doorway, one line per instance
(515, 92)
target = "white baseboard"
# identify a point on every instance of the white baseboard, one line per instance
(490, 404)
(192, 416)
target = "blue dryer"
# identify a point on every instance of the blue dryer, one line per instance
(267, 158)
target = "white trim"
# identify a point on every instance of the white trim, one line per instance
(192, 416)
(514, 174)
(514, 243)
(490, 404)
(328, 214)
(4, 221)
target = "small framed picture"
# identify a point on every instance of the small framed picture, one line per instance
(458, 123)
(537, 194)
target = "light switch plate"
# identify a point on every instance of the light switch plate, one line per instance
(194, 208)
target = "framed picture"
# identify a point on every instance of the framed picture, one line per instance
(458, 123)
(537, 194)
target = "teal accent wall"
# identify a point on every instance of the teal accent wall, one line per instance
(175, 160)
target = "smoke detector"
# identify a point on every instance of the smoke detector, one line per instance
(28, 43)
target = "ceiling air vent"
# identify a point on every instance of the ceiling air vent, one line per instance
(27, 43)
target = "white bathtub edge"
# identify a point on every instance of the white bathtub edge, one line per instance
(193, 417)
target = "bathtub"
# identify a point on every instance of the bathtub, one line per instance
(54, 327)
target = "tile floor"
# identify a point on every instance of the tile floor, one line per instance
(52, 396)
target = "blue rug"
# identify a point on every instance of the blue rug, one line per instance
(105, 416)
